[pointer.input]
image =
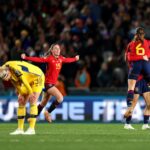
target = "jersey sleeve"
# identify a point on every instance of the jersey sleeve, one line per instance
(38, 59)
(68, 60)
(27, 85)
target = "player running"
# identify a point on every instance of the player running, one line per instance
(54, 64)
(28, 81)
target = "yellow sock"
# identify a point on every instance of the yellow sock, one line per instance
(33, 115)
(21, 112)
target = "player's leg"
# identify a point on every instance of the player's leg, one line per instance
(128, 113)
(130, 93)
(33, 113)
(134, 72)
(21, 112)
(45, 98)
(33, 98)
(137, 91)
(59, 98)
(131, 108)
(146, 72)
(146, 96)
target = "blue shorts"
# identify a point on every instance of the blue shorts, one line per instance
(139, 67)
(141, 87)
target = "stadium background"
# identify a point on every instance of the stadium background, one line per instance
(97, 30)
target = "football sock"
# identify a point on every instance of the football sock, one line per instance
(40, 108)
(33, 115)
(53, 106)
(146, 118)
(128, 120)
(130, 96)
(21, 111)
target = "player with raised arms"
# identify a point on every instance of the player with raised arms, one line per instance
(54, 62)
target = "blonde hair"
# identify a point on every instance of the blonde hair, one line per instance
(48, 53)
(2, 72)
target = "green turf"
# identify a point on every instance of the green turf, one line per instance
(75, 137)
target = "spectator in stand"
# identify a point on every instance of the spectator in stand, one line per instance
(25, 39)
(82, 79)
(104, 76)
(16, 51)
(85, 25)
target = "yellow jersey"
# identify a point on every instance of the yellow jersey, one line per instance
(26, 78)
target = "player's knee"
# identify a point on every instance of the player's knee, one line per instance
(21, 101)
(32, 101)
(60, 99)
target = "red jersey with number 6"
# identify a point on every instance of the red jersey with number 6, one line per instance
(137, 49)
(53, 67)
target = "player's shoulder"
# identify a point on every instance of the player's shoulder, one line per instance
(25, 63)
(16, 62)
(132, 42)
(21, 65)
(62, 57)
(146, 40)
(11, 64)
(129, 45)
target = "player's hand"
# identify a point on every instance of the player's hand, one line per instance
(145, 58)
(77, 57)
(23, 56)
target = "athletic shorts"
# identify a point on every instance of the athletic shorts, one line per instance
(47, 86)
(141, 87)
(37, 85)
(139, 67)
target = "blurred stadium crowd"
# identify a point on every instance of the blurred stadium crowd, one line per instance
(97, 30)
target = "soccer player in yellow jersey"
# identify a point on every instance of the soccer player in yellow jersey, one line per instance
(28, 81)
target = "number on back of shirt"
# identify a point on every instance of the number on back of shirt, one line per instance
(140, 50)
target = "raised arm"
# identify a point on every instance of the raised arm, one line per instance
(69, 60)
(35, 59)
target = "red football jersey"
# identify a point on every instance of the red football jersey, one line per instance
(53, 67)
(136, 50)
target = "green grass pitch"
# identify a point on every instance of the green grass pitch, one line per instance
(76, 136)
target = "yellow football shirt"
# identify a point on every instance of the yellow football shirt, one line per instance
(26, 78)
